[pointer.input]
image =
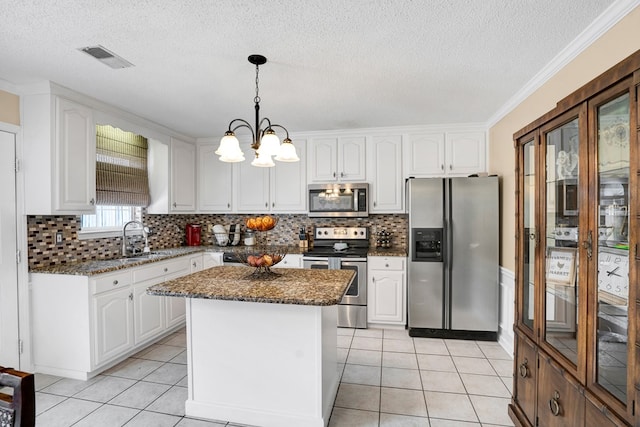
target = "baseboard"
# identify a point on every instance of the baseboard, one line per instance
(507, 309)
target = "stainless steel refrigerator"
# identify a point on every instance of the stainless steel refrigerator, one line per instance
(453, 287)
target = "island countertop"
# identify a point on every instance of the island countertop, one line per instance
(233, 283)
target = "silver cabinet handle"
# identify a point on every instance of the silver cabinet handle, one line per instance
(131, 296)
(334, 174)
(175, 204)
(194, 263)
(450, 167)
(266, 204)
(166, 269)
(341, 174)
(92, 201)
(115, 282)
(386, 265)
(375, 204)
(273, 204)
(442, 166)
(228, 205)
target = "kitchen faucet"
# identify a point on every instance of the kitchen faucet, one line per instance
(130, 250)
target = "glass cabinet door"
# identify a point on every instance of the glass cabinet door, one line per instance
(530, 233)
(612, 254)
(562, 179)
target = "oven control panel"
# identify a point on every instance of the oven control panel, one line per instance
(341, 233)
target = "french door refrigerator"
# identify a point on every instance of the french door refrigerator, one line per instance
(453, 286)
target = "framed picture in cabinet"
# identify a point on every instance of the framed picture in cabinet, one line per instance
(561, 266)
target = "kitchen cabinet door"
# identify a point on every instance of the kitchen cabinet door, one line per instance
(288, 192)
(385, 166)
(148, 311)
(323, 157)
(424, 155)
(251, 187)
(75, 147)
(214, 180)
(183, 176)
(339, 159)
(465, 153)
(113, 323)
(386, 295)
(351, 158)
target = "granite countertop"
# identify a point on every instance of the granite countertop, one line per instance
(93, 267)
(233, 283)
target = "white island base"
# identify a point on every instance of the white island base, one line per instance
(261, 364)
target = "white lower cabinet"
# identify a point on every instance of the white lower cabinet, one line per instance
(84, 324)
(386, 293)
(113, 315)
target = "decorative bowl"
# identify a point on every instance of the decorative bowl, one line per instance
(262, 258)
(261, 223)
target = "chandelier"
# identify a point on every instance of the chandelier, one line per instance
(265, 142)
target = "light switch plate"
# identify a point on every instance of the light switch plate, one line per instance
(59, 237)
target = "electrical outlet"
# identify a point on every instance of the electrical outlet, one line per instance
(59, 237)
(210, 228)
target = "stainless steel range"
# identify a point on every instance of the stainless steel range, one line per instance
(344, 248)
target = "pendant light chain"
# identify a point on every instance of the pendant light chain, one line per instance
(257, 98)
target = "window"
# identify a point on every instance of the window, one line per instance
(108, 221)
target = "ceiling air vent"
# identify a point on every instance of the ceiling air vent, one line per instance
(106, 57)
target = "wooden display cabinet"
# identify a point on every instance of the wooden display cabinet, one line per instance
(576, 324)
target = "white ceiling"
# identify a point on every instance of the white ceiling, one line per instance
(333, 64)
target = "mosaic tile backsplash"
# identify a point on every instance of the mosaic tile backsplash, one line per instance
(168, 231)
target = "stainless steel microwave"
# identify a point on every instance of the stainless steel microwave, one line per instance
(339, 200)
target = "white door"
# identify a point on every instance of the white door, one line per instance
(183, 176)
(9, 335)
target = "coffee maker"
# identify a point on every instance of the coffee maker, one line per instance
(193, 233)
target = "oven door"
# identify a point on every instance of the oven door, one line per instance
(356, 294)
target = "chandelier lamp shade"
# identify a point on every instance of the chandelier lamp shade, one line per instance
(264, 142)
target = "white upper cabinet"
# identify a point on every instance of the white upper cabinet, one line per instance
(337, 159)
(214, 180)
(455, 153)
(281, 188)
(182, 176)
(466, 153)
(59, 156)
(384, 163)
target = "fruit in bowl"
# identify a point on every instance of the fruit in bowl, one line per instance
(263, 260)
(261, 223)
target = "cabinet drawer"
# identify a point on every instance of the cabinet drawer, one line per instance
(386, 263)
(561, 399)
(160, 269)
(525, 376)
(110, 281)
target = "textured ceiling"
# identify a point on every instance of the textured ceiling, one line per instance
(333, 64)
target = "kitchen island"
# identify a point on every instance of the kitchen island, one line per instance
(261, 350)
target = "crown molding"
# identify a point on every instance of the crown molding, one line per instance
(611, 16)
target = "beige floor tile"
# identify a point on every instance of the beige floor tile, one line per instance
(436, 422)
(343, 417)
(344, 341)
(342, 355)
(365, 357)
(369, 333)
(395, 420)
(105, 390)
(361, 374)
(67, 412)
(450, 406)
(434, 362)
(397, 334)
(485, 385)
(155, 419)
(492, 410)
(135, 369)
(365, 343)
(43, 380)
(400, 346)
(171, 402)
(140, 395)
(449, 382)
(108, 416)
(464, 348)
(192, 422)
(503, 368)
(69, 387)
(430, 346)
(356, 396)
(46, 401)
(403, 402)
(399, 360)
(169, 373)
(161, 352)
(401, 378)
(346, 331)
(473, 365)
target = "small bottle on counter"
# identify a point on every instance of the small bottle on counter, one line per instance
(249, 238)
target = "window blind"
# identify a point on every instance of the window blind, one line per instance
(121, 168)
